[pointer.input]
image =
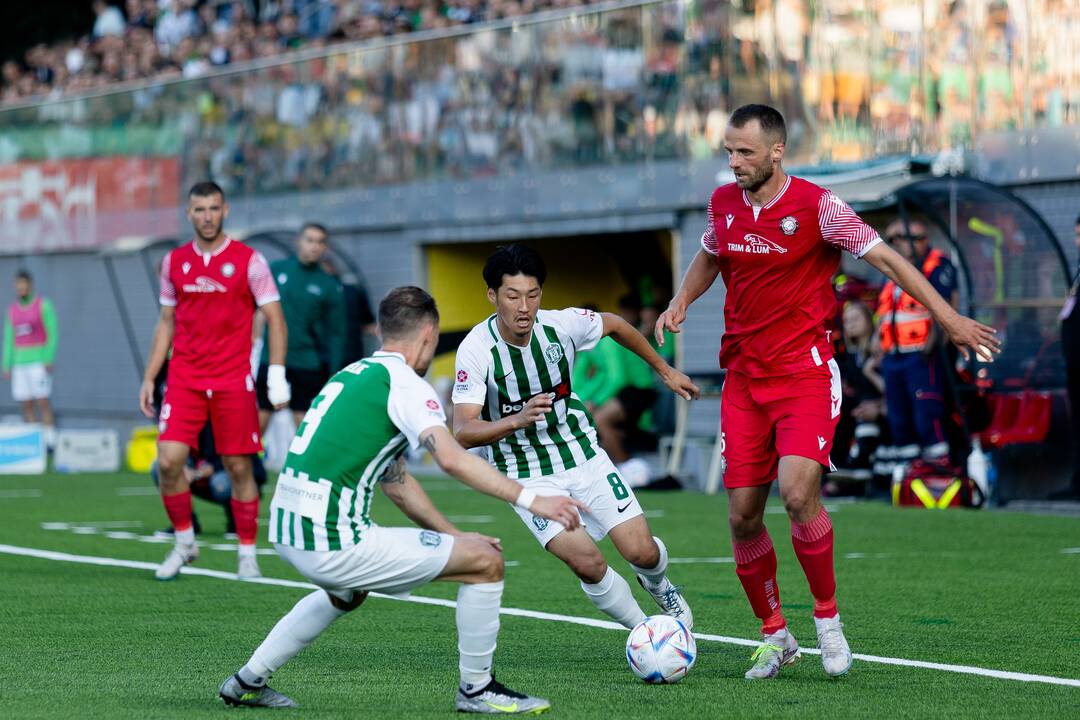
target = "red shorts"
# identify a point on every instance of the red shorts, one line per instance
(765, 419)
(233, 416)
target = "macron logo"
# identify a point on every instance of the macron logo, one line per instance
(730, 219)
(820, 442)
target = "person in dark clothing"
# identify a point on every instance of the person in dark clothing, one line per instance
(1070, 345)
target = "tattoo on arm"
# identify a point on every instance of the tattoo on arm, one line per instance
(429, 443)
(395, 473)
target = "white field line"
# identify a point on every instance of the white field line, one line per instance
(534, 614)
(1071, 551)
(19, 494)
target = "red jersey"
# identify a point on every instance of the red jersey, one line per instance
(777, 262)
(215, 295)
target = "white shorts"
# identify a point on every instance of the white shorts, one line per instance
(391, 560)
(598, 485)
(30, 382)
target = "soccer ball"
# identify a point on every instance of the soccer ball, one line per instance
(661, 650)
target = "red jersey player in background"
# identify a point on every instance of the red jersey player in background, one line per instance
(210, 289)
(776, 240)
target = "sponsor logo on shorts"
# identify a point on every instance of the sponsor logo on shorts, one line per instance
(540, 523)
(820, 442)
(430, 538)
(623, 508)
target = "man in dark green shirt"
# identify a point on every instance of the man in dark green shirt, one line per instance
(314, 307)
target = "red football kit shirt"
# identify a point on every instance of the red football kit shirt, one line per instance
(782, 394)
(215, 295)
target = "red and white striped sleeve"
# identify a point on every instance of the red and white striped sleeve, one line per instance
(840, 226)
(708, 239)
(261, 281)
(167, 295)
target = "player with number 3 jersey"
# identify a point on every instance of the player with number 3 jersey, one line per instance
(352, 439)
(513, 395)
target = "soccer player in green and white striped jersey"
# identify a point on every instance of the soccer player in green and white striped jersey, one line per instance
(513, 394)
(351, 439)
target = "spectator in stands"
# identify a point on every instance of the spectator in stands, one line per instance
(618, 388)
(110, 21)
(29, 351)
(1070, 344)
(862, 414)
(913, 366)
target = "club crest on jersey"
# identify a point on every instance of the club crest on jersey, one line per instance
(282, 278)
(553, 353)
(755, 244)
(789, 225)
(228, 269)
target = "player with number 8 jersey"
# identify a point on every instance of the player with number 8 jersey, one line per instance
(513, 394)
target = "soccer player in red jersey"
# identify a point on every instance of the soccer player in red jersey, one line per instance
(776, 240)
(210, 289)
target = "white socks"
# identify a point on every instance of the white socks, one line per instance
(478, 628)
(245, 550)
(612, 596)
(293, 633)
(185, 537)
(655, 575)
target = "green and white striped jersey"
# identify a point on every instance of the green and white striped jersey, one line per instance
(502, 377)
(358, 425)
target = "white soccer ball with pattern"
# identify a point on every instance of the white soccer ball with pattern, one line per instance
(661, 650)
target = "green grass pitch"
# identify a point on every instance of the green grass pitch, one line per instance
(987, 589)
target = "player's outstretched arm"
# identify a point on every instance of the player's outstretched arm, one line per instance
(482, 477)
(965, 333)
(699, 277)
(628, 336)
(159, 350)
(473, 431)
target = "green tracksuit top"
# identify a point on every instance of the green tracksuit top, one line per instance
(314, 307)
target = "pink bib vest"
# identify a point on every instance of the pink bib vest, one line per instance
(27, 323)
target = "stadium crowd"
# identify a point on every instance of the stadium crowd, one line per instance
(639, 83)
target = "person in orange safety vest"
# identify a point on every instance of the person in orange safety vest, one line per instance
(912, 366)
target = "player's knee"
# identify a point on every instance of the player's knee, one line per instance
(590, 569)
(490, 565)
(798, 503)
(744, 526)
(169, 467)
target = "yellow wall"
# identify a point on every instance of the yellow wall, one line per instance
(580, 270)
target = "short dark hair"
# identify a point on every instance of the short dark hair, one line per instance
(24, 274)
(206, 188)
(1078, 219)
(404, 310)
(314, 226)
(516, 259)
(770, 119)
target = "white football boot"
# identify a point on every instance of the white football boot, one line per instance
(775, 651)
(177, 558)
(835, 653)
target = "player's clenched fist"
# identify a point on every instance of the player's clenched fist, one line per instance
(563, 510)
(534, 410)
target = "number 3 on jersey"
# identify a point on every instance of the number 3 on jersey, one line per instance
(314, 416)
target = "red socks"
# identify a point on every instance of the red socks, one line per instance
(813, 542)
(755, 564)
(246, 516)
(178, 508)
